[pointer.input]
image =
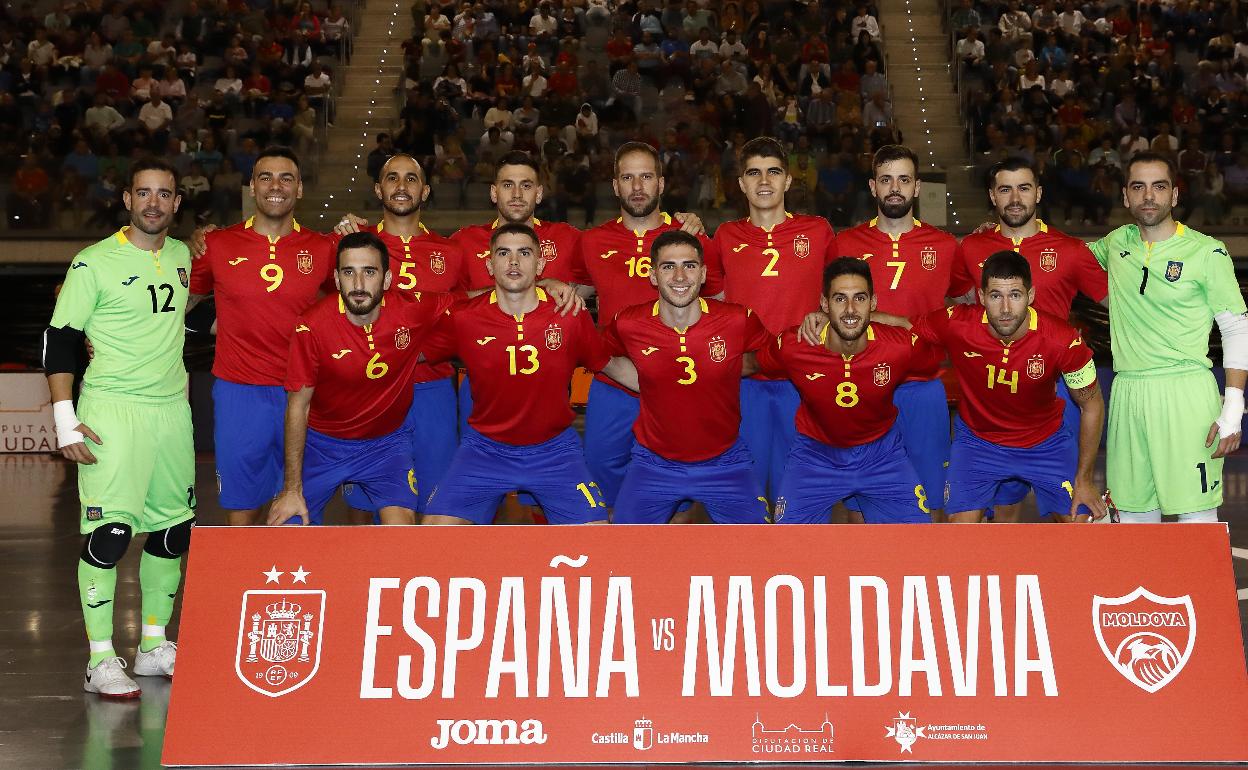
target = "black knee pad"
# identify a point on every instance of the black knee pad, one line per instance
(106, 545)
(172, 542)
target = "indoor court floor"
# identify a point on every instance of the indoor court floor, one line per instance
(48, 723)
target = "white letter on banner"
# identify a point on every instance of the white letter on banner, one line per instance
(915, 603)
(963, 668)
(575, 666)
(510, 616)
(819, 598)
(858, 583)
(373, 630)
(771, 636)
(619, 613)
(1029, 605)
(721, 670)
(456, 644)
(421, 637)
(996, 636)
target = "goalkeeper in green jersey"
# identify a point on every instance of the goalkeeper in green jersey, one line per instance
(1168, 429)
(131, 435)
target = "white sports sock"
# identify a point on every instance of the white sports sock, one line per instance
(103, 645)
(1199, 517)
(1147, 517)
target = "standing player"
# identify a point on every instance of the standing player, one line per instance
(1008, 357)
(1167, 284)
(773, 263)
(128, 293)
(520, 354)
(264, 273)
(614, 261)
(848, 441)
(352, 359)
(687, 351)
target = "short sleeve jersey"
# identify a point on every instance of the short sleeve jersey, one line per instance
(261, 286)
(912, 272)
(847, 400)
(131, 305)
(690, 378)
(1009, 390)
(520, 367)
(558, 243)
(362, 374)
(1164, 322)
(1061, 266)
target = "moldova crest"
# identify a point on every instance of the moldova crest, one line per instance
(1146, 637)
(1173, 270)
(437, 263)
(928, 258)
(801, 246)
(1035, 367)
(184, 278)
(881, 374)
(279, 639)
(554, 337)
(304, 262)
(402, 338)
(549, 251)
(718, 349)
(1048, 260)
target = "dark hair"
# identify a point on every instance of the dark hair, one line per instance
(630, 147)
(764, 147)
(847, 266)
(1148, 156)
(512, 228)
(1006, 264)
(278, 151)
(150, 163)
(363, 240)
(517, 158)
(675, 238)
(1012, 163)
(891, 152)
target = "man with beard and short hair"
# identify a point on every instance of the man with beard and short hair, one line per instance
(351, 362)
(848, 440)
(1008, 357)
(687, 351)
(128, 293)
(1167, 284)
(263, 273)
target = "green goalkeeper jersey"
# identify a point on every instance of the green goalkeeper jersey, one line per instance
(131, 304)
(1163, 297)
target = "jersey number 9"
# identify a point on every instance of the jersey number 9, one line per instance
(273, 275)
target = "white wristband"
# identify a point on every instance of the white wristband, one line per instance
(67, 422)
(1232, 412)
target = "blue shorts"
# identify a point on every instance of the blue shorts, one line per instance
(381, 467)
(430, 423)
(1012, 492)
(465, 409)
(483, 471)
(978, 469)
(609, 418)
(248, 430)
(879, 475)
(655, 486)
(768, 411)
(923, 416)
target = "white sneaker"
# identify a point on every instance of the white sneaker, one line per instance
(158, 662)
(109, 679)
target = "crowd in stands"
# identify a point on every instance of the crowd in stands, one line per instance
(88, 85)
(1079, 87)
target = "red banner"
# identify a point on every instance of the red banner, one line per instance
(491, 645)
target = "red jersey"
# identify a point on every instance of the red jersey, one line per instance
(558, 241)
(1061, 266)
(519, 367)
(912, 272)
(362, 374)
(1009, 390)
(261, 286)
(690, 378)
(778, 272)
(847, 400)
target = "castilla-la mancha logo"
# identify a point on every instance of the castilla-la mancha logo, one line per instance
(279, 636)
(1148, 638)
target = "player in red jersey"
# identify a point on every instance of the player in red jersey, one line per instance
(773, 263)
(263, 274)
(1008, 357)
(520, 354)
(688, 354)
(614, 261)
(848, 441)
(352, 360)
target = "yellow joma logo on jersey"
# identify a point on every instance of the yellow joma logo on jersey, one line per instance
(608, 254)
(1074, 342)
(483, 254)
(737, 249)
(302, 328)
(815, 376)
(340, 354)
(648, 351)
(486, 340)
(969, 354)
(238, 260)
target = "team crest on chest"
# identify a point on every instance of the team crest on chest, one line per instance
(881, 374)
(801, 246)
(402, 338)
(718, 349)
(1035, 367)
(1173, 271)
(928, 258)
(549, 251)
(1048, 260)
(304, 262)
(184, 278)
(554, 337)
(437, 263)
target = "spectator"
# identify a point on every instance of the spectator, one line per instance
(157, 117)
(104, 198)
(317, 86)
(535, 84)
(1015, 25)
(872, 81)
(527, 117)
(865, 22)
(626, 89)
(336, 30)
(970, 51)
(966, 18)
(878, 114)
(587, 128)
(378, 156)
(171, 87)
(303, 129)
(256, 91)
(698, 18)
(28, 202)
(1213, 199)
(649, 58)
(83, 162)
(103, 119)
(1236, 180)
(499, 115)
(1132, 143)
(196, 190)
(574, 187)
(1164, 142)
(730, 80)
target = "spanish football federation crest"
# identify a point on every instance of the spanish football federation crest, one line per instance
(549, 251)
(1173, 270)
(304, 262)
(801, 246)
(554, 337)
(1146, 637)
(1048, 260)
(279, 639)
(437, 263)
(881, 374)
(402, 338)
(928, 258)
(184, 278)
(718, 349)
(1035, 367)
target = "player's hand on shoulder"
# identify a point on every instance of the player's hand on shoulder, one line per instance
(287, 506)
(812, 326)
(350, 223)
(984, 227)
(198, 242)
(690, 223)
(79, 452)
(566, 298)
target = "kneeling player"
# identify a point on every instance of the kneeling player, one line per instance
(848, 440)
(520, 354)
(687, 351)
(1008, 357)
(349, 379)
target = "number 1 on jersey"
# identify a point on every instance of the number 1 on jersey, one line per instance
(997, 377)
